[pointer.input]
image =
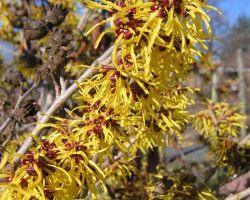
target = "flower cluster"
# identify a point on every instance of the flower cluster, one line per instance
(135, 102)
(220, 124)
(219, 120)
(182, 187)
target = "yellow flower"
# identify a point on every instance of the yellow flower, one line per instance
(178, 27)
(219, 120)
(138, 96)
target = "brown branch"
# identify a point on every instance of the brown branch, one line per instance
(10, 133)
(245, 140)
(58, 102)
(183, 152)
(243, 194)
(236, 185)
(84, 19)
(5, 124)
(19, 101)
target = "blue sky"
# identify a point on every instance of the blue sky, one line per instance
(232, 9)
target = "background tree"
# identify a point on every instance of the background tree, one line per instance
(237, 37)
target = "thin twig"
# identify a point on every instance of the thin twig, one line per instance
(82, 23)
(238, 184)
(22, 97)
(63, 84)
(243, 194)
(5, 124)
(10, 134)
(18, 103)
(58, 102)
(185, 152)
(245, 140)
(84, 19)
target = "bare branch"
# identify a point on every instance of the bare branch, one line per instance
(4, 125)
(58, 102)
(63, 84)
(84, 19)
(20, 100)
(10, 133)
(243, 194)
(245, 140)
(236, 185)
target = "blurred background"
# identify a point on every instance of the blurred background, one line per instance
(225, 74)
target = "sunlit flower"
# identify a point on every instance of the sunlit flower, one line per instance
(135, 102)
